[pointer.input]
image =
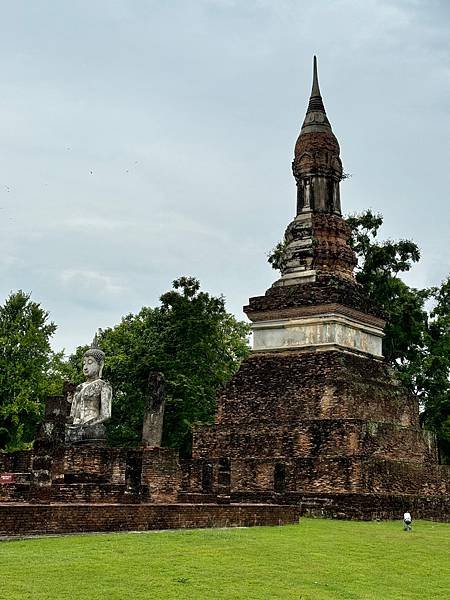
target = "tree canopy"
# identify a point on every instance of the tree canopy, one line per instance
(29, 370)
(431, 373)
(378, 269)
(192, 340)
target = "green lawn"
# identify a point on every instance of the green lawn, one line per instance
(318, 559)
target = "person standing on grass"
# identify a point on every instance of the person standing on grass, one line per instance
(407, 520)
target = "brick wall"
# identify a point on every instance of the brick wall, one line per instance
(95, 474)
(314, 422)
(277, 479)
(26, 519)
(328, 437)
(15, 462)
(288, 386)
(374, 506)
(74, 493)
(91, 464)
(161, 472)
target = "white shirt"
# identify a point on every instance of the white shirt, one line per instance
(407, 516)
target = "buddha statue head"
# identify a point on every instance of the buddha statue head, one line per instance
(93, 361)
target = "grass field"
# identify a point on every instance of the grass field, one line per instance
(315, 560)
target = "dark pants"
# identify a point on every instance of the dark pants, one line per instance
(407, 526)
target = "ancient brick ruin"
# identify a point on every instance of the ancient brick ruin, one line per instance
(315, 417)
(314, 422)
(56, 488)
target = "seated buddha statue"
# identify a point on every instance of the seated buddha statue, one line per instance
(91, 401)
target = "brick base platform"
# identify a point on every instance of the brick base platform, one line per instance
(367, 507)
(33, 519)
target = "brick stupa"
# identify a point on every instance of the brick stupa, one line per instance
(315, 415)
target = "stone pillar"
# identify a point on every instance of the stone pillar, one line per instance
(154, 412)
(47, 464)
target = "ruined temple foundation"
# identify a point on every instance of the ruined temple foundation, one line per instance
(314, 422)
(93, 489)
(60, 488)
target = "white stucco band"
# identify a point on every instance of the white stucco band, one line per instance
(323, 332)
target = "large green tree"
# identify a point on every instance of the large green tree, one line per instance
(29, 370)
(192, 340)
(379, 266)
(431, 374)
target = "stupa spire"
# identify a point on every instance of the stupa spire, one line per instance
(315, 86)
(316, 116)
(315, 100)
(316, 240)
(317, 166)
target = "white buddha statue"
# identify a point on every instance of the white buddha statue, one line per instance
(91, 402)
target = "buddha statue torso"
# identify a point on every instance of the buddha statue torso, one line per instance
(91, 402)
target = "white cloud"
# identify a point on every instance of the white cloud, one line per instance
(90, 284)
(8, 261)
(94, 223)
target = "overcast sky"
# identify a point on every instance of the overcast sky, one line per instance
(143, 140)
